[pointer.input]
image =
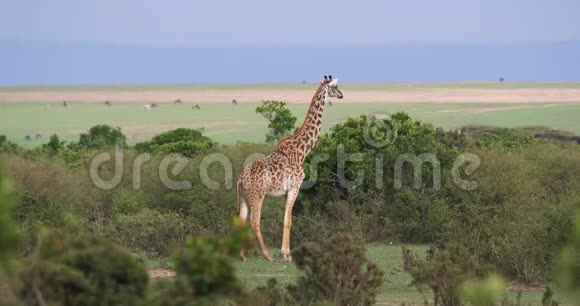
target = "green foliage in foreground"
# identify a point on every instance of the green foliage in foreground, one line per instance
(483, 292)
(8, 229)
(87, 271)
(337, 271)
(443, 272)
(205, 272)
(568, 265)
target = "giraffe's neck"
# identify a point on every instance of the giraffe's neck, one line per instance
(301, 143)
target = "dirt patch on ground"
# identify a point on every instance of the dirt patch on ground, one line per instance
(161, 273)
(444, 95)
(271, 275)
(516, 287)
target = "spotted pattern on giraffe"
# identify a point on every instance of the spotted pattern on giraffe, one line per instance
(281, 173)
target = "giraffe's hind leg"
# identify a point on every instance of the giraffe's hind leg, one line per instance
(256, 210)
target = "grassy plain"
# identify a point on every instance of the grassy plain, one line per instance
(31, 110)
(395, 290)
(227, 123)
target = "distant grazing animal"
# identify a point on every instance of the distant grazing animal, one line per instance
(234, 101)
(65, 104)
(281, 173)
(37, 136)
(196, 107)
(147, 107)
(28, 138)
(108, 103)
(153, 105)
(178, 101)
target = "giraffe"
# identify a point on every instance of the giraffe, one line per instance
(281, 172)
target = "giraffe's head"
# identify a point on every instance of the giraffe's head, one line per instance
(331, 86)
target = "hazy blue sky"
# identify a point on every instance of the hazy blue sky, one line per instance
(291, 22)
(116, 41)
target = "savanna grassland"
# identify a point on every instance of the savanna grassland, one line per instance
(176, 245)
(30, 110)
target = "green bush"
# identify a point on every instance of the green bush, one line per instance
(444, 272)
(384, 139)
(186, 142)
(86, 271)
(337, 271)
(9, 235)
(281, 121)
(520, 212)
(275, 294)
(568, 264)
(6, 146)
(54, 195)
(54, 145)
(483, 292)
(102, 136)
(205, 271)
(149, 231)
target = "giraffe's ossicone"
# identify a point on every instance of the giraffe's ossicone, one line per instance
(281, 172)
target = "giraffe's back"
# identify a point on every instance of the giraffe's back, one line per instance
(271, 176)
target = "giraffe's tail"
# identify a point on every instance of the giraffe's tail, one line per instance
(242, 203)
(239, 194)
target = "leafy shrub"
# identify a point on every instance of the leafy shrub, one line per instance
(383, 212)
(487, 291)
(128, 202)
(6, 146)
(54, 145)
(275, 294)
(9, 236)
(281, 120)
(187, 142)
(336, 271)
(384, 139)
(443, 272)
(102, 136)
(149, 231)
(205, 272)
(507, 138)
(87, 271)
(568, 267)
(520, 212)
(51, 194)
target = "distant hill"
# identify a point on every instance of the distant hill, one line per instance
(91, 63)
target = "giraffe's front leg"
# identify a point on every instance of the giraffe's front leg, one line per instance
(290, 199)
